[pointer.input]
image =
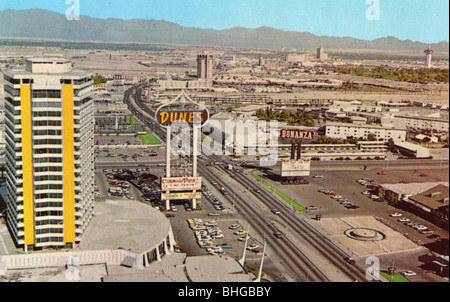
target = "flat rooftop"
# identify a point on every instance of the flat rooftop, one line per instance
(125, 224)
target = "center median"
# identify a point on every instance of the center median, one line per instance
(283, 196)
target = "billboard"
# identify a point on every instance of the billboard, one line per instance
(295, 167)
(181, 183)
(299, 134)
(181, 195)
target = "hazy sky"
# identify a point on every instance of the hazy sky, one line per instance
(418, 20)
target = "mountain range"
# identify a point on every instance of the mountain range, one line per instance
(44, 24)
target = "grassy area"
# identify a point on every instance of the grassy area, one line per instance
(278, 192)
(397, 277)
(131, 120)
(149, 138)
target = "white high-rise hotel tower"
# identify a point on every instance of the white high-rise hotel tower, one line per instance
(49, 119)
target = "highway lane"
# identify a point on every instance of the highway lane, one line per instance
(294, 259)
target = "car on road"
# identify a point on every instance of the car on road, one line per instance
(213, 214)
(396, 215)
(381, 173)
(404, 182)
(279, 235)
(170, 215)
(423, 175)
(275, 211)
(350, 260)
(317, 176)
(257, 190)
(408, 273)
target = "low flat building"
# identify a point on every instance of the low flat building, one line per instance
(433, 203)
(412, 150)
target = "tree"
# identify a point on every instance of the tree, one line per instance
(98, 79)
(371, 137)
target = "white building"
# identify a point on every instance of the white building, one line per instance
(427, 123)
(412, 150)
(362, 131)
(49, 118)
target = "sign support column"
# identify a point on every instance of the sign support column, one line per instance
(168, 150)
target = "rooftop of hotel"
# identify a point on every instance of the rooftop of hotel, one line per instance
(125, 224)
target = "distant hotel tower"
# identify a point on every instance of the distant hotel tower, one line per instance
(205, 66)
(321, 55)
(429, 52)
(50, 153)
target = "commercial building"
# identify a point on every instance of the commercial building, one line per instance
(422, 123)
(429, 54)
(49, 118)
(362, 131)
(205, 66)
(321, 55)
(412, 150)
(429, 200)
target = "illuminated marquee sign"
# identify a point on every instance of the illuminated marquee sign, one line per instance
(295, 167)
(181, 183)
(299, 134)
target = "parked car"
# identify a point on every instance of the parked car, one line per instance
(311, 208)
(396, 215)
(317, 176)
(225, 246)
(241, 232)
(381, 173)
(352, 206)
(403, 219)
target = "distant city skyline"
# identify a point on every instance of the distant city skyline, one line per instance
(417, 20)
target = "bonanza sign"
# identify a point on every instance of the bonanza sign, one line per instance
(297, 134)
(181, 183)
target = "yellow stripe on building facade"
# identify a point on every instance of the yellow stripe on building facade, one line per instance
(69, 164)
(27, 164)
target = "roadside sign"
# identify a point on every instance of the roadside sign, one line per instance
(297, 134)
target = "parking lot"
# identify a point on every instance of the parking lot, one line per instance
(331, 193)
